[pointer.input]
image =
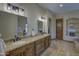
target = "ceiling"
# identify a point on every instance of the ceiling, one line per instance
(54, 7)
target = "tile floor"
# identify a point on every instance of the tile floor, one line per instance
(60, 48)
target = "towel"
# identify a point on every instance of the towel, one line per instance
(2, 47)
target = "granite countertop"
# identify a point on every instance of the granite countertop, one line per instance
(13, 45)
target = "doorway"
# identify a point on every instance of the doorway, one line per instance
(59, 29)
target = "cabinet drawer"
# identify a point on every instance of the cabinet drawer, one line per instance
(29, 52)
(16, 52)
(38, 41)
(30, 45)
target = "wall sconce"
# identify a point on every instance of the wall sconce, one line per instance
(41, 18)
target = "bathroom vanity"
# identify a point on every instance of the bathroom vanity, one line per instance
(15, 28)
(31, 46)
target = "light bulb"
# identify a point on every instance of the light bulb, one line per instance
(61, 5)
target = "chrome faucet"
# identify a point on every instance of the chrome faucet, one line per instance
(17, 38)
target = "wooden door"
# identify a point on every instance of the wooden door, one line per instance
(59, 28)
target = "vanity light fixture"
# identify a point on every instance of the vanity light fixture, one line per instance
(41, 19)
(61, 5)
(9, 6)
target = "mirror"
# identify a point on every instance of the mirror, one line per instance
(22, 26)
(12, 25)
(40, 26)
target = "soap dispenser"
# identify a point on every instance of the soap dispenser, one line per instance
(33, 32)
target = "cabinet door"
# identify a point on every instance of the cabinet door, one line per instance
(29, 50)
(16, 52)
(46, 42)
(49, 39)
(39, 47)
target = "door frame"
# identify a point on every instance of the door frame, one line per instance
(62, 27)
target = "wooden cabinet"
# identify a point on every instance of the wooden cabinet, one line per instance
(47, 42)
(31, 49)
(27, 50)
(39, 46)
(16, 52)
